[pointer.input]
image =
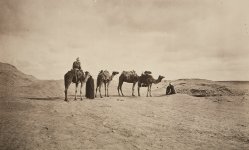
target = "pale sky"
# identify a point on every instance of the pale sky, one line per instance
(176, 38)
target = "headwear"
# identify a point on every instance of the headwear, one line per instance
(77, 58)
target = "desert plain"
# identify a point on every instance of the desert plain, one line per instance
(204, 114)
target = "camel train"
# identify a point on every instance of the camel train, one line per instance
(76, 75)
(104, 78)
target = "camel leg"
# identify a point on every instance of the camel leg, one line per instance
(120, 83)
(75, 96)
(81, 85)
(138, 90)
(107, 91)
(121, 90)
(96, 91)
(100, 90)
(66, 88)
(133, 86)
(67, 82)
(118, 88)
(66, 94)
(148, 89)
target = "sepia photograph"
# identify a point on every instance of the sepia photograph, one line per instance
(124, 74)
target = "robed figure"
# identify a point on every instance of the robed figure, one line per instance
(170, 89)
(90, 88)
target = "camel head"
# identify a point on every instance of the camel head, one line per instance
(160, 77)
(115, 73)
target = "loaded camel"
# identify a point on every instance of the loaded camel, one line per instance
(146, 80)
(129, 77)
(106, 78)
(70, 77)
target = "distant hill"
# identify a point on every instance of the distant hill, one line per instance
(13, 82)
(10, 76)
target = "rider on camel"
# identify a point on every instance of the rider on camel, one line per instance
(76, 67)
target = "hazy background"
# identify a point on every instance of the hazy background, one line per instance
(175, 38)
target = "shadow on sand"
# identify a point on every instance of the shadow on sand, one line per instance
(45, 98)
(71, 97)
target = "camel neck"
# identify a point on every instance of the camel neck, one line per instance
(111, 77)
(156, 81)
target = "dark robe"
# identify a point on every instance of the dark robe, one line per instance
(170, 90)
(90, 88)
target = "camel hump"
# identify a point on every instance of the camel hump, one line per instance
(106, 71)
(130, 76)
(147, 72)
(145, 75)
(104, 74)
(128, 73)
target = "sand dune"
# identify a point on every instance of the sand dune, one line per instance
(203, 114)
(10, 75)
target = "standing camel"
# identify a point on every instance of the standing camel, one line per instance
(129, 77)
(146, 80)
(106, 78)
(70, 77)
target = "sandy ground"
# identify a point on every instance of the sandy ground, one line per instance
(202, 115)
(165, 122)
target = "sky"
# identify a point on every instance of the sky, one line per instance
(206, 39)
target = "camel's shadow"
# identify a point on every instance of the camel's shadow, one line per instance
(71, 98)
(45, 98)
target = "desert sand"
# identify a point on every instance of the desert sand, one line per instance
(203, 114)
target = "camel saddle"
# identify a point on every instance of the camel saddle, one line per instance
(105, 74)
(147, 72)
(77, 73)
(130, 75)
(143, 78)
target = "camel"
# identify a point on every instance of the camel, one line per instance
(69, 77)
(106, 78)
(129, 77)
(146, 80)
